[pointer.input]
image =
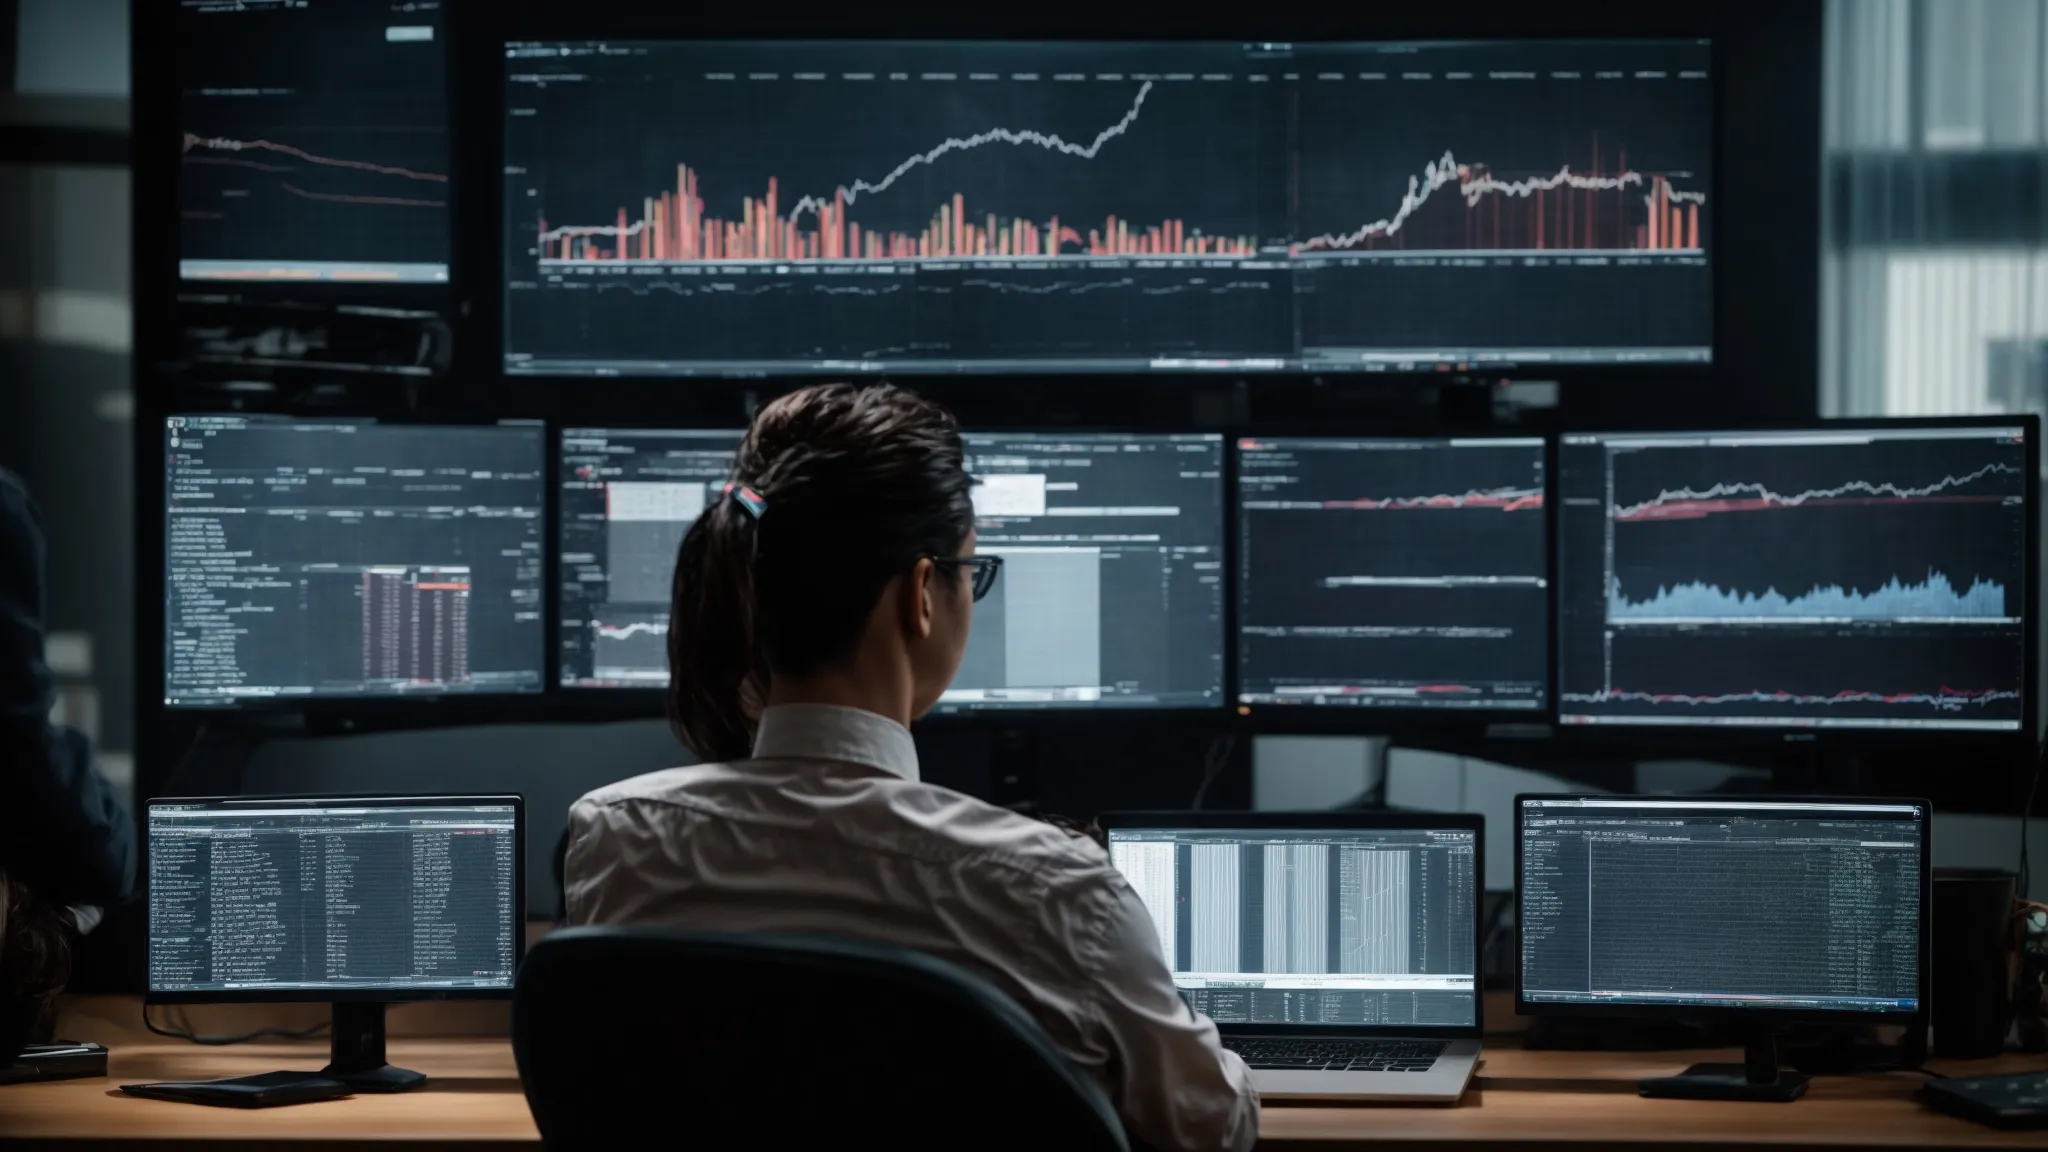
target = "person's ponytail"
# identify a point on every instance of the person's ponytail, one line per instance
(716, 681)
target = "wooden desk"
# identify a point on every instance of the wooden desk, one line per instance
(1523, 1100)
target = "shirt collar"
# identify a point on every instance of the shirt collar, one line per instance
(831, 732)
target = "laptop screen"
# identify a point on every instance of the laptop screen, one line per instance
(1313, 926)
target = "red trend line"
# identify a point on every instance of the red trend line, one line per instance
(1505, 499)
(398, 200)
(1690, 503)
(222, 144)
(1561, 206)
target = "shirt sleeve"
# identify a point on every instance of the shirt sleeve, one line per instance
(63, 832)
(1174, 1084)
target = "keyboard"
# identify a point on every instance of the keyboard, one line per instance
(1338, 1055)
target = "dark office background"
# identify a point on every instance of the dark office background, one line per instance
(1883, 251)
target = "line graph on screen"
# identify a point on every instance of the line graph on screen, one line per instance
(677, 224)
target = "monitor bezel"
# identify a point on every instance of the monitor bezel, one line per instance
(1311, 719)
(1759, 1016)
(1341, 821)
(438, 707)
(302, 995)
(1873, 737)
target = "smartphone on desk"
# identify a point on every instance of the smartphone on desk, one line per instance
(61, 1061)
(264, 1090)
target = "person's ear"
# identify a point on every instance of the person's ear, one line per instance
(919, 588)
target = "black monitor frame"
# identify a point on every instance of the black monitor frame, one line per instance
(517, 803)
(1871, 738)
(1348, 821)
(1757, 1018)
(1310, 719)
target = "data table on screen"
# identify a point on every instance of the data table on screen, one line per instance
(322, 558)
(1786, 905)
(314, 141)
(1311, 926)
(1841, 578)
(292, 897)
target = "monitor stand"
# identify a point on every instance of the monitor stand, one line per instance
(356, 1057)
(1758, 1077)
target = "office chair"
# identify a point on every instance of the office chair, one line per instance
(722, 1040)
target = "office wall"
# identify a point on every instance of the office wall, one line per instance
(64, 350)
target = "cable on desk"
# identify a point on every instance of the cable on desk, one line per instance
(181, 1029)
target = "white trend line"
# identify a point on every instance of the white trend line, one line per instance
(852, 192)
(1720, 491)
(1448, 171)
(992, 136)
(630, 630)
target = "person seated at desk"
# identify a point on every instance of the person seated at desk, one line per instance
(67, 845)
(820, 606)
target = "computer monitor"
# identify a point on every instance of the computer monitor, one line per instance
(1758, 911)
(1854, 575)
(1099, 207)
(627, 498)
(318, 559)
(315, 141)
(356, 900)
(1111, 594)
(1393, 574)
(1312, 919)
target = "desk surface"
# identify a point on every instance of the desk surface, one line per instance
(1523, 1100)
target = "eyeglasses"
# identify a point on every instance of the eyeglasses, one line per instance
(983, 567)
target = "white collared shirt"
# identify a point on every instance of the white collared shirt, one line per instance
(828, 829)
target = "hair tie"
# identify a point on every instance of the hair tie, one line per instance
(752, 502)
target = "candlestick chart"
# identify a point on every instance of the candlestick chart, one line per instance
(1832, 581)
(313, 144)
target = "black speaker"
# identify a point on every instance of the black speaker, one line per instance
(1972, 985)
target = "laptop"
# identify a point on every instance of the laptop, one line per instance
(1337, 952)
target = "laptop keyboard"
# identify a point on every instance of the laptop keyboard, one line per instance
(1338, 1055)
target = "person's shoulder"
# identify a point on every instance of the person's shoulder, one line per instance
(980, 827)
(662, 784)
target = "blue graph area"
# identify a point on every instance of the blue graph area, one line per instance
(1932, 598)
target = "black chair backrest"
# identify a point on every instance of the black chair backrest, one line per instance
(663, 1037)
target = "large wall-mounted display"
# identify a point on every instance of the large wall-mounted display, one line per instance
(710, 209)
